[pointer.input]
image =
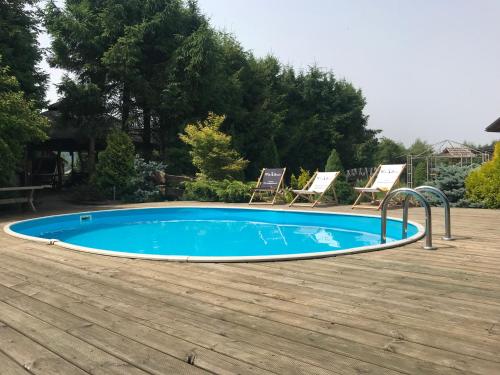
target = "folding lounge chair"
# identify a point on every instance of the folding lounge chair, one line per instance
(270, 183)
(317, 186)
(382, 181)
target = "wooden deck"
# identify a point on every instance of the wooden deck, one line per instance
(399, 311)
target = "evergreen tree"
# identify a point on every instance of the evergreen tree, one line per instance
(83, 106)
(19, 48)
(333, 163)
(115, 169)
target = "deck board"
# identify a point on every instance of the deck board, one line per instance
(396, 311)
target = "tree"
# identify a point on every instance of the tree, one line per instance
(83, 106)
(115, 169)
(333, 163)
(211, 149)
(420, 147)
(20, 123)
(390, 152)
(19, 47)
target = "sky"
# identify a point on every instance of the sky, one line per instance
(429, 69)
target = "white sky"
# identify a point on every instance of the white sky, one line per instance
(428, 68)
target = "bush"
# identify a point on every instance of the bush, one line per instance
(144, 185)
(345, 192)
(451, 181)
(234, 191)
(483, 183)
(115, 168)
(201, 189)
(300, 181)
(211, 149)
(206, 190)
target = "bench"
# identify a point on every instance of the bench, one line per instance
(30, 192)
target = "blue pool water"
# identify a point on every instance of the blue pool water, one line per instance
(212, 232)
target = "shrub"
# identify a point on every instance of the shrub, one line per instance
(144, 185)
(234, 191)
(115, 168)
(201, 189)
(300, 181)
(483, 183)
(345, 192)
(211, 150)
(207, 190)
(451, 181)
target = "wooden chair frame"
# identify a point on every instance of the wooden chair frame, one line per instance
(311, 195)
(280, 189)
(372, 193)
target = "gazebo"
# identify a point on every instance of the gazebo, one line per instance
(445, 152)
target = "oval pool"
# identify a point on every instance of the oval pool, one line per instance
(208, 234)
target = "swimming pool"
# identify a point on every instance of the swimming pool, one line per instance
(208, 234)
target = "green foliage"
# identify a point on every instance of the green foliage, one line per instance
(211, 149)
(420, 173)
(207, 190)
(333, 164)
(300, 181)
(390, 152)
(483, 183)
(115, 168)
(161, 65)
(451, 181)
(83, 106)
(420, 148)
(234, 191)
(345, 192)
(145, 184)
(20, 123)
(19, 47)
(201, 189)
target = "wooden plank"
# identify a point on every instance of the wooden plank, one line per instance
(33, 356)
(73, 350)
(332, 344)
(10, 367)
(280, 363)
(432, 309)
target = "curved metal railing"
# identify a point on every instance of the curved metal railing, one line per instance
(425, 205)
(446, 203)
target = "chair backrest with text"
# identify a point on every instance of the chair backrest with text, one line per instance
(322, 181)
(271, 178)
(387, 176)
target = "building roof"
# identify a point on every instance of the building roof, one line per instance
(495, 126)
(458, 152)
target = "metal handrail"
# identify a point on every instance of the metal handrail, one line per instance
(428, 215)
(446, 203)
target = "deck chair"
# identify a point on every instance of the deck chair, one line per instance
(316, 188)
(270, 184)
(382, 181)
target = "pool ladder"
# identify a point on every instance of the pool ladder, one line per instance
(418, 194)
